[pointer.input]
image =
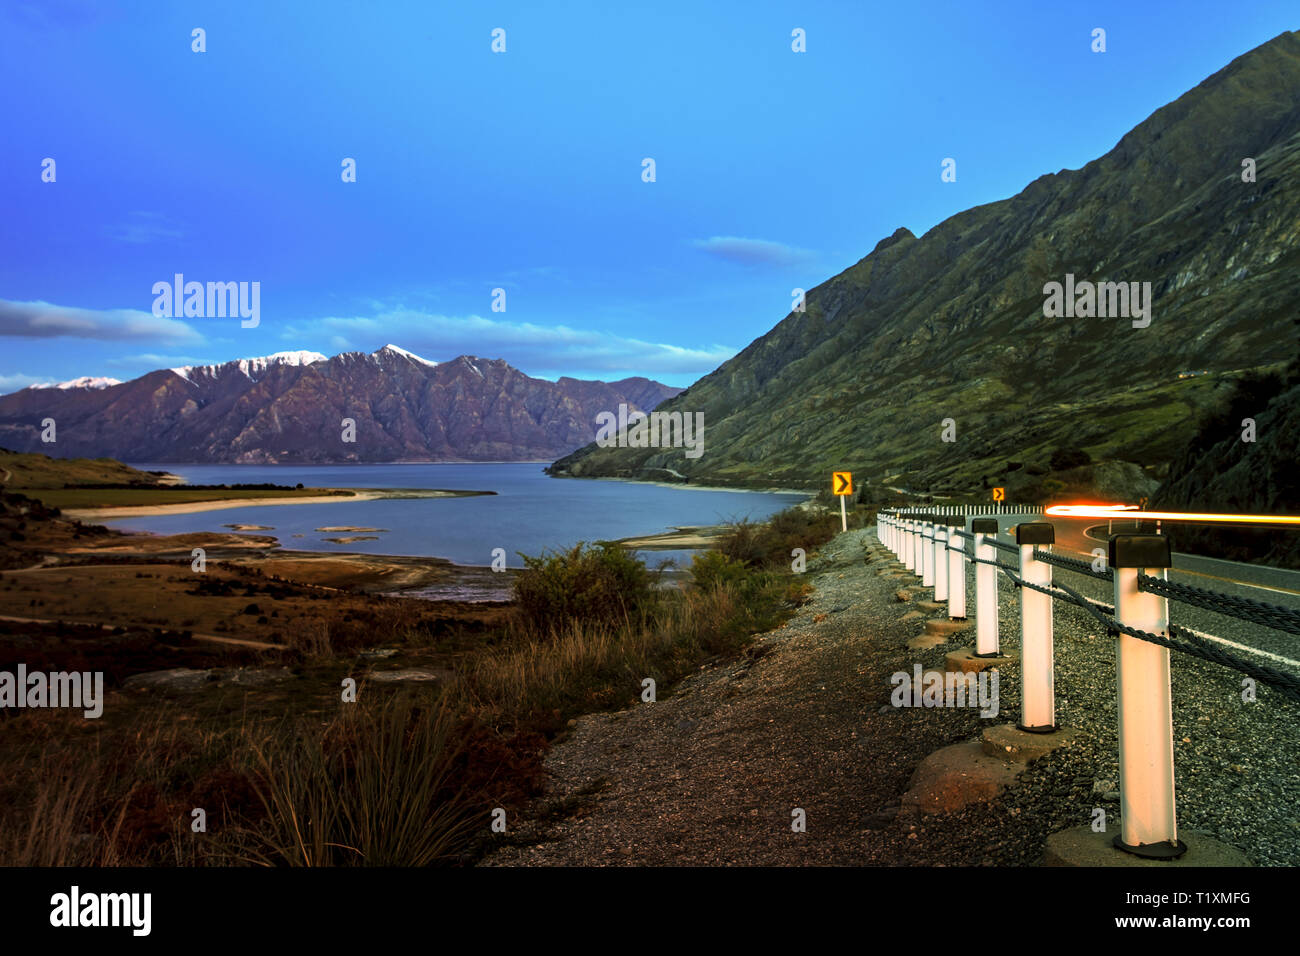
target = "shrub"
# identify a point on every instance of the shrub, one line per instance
(713, 569)
(601, 584)
(769, 545)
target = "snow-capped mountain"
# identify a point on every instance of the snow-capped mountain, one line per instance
(292, 407)
(86, 381)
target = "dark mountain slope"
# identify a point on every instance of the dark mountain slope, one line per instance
(951, 325)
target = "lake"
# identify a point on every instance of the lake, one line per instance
(530, 512)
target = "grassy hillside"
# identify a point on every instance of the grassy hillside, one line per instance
(20, 471)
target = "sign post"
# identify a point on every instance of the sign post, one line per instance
(842, 485)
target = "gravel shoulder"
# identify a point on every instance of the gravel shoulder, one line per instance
(712, 773)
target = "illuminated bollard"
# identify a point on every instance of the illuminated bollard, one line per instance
(1148, 823)
(956, 575)
(986, 588)
(915, 546)
(927, 554)
(941, 561)
(1037, 667)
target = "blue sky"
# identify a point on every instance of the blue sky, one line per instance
(522, 170)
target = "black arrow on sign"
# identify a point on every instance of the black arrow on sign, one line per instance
(844, 483)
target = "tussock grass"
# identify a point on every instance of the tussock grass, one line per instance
(375, 787)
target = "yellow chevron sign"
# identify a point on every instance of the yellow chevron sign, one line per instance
(999, 494)
(842, 482)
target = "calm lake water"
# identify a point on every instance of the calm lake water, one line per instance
(530, 512)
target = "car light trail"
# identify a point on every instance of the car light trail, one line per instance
(1131, 511)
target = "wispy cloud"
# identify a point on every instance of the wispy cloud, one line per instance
(753, 251)
(44, 320)
(145, 227)
(533, 348)
(12, 383)
(148, 361)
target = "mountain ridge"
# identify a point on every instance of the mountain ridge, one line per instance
(295, 407)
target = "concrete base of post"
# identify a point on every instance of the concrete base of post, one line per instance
(956, 776)
(932, 605)
(944, 626)
(926, 641)
(1011, 743)
(1080, 846)
(965, 661)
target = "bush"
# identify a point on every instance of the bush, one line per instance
(604, 584)
(769, 545)
(713, 569)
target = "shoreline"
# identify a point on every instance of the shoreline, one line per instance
(689, 486)
(221, 504)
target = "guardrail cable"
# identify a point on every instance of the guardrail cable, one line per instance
(1073, 564)
(1190, 643)
(1257, 612)
(1196, 646)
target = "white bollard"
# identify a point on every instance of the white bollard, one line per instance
(940, 562)
(1037, 666)
(1148, 822)
(956, 577)
(927, 556)
(909, 554)
(986, 588)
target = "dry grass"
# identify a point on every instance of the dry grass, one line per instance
(399, 778)
(375, 788)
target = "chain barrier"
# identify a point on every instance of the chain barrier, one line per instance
(1189, 642)
(1257, 612)
(1195, 646)
(1073, 564)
